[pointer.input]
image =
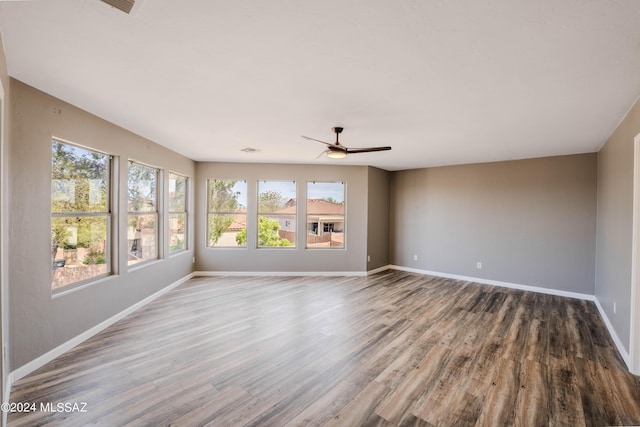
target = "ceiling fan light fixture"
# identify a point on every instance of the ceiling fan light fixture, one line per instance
(336, 154)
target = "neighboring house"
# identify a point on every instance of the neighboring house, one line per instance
(325, 221)
(323, 216)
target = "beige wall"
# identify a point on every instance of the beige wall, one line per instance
(615, 224)
(529, 222)
(350, 259)
(38, 321)
(378, 218)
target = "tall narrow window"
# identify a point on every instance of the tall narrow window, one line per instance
(178, 186)
(142, 229)
(325, 215)
(277, 213)
(80, 214)
(227, 213)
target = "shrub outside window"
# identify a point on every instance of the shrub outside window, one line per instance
(226, 213)
(178, 186)
(80, 214)
(277, 209)
(325, 215)
(142, 221)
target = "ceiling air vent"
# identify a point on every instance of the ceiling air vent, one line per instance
(123, 5)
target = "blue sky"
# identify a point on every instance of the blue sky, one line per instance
(324, 190)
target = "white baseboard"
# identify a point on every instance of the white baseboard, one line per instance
(588, 297)
(379, 270)
(40, 361)
(279, 273)
(537, 289)
(623, 351)
(291, 273)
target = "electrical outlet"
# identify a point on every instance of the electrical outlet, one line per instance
(415, 257)
(193, 260)
(614, 307)
(368, 258)
(479, 265)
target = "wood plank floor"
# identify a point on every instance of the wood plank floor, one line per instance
(393, 349)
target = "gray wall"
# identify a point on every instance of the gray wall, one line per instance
(38, 321)
(529, 222)
(378, 218)
(615, 224)
(350, 259)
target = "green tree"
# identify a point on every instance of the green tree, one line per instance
(267, 234)
(270, 201)
(177, 193)
(142, 181)
(223, 201)
(218, 224)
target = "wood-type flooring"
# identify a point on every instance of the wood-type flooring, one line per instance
(392, 349)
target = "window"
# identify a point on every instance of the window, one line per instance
(177, 212)
(325, 215)
(142, 224)
(227, 213)
(276, 213)
(80, 214)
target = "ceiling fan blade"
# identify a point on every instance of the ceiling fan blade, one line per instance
(317, 140)
(323, 153)
(366, 150)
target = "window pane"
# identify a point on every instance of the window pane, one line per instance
(79, 249)
(227, 230)
(276, 213)
(177, 236)
(226, 196)
(79, 179)
(141, 237)
(325, 215)
(142, 188)
(227, 219)
(177, 193)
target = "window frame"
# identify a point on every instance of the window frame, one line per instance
(108, 214)
(185, 213)
(294, 216)
(157, 213)
(231, 213)
(344, 218)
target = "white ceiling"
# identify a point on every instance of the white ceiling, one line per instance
(442, 81)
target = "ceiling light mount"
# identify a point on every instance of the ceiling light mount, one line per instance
(250, 150)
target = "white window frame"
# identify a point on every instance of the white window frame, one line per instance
(156, 213)
(344, 217)
(108, 214)
(294, 216)
(185, 213)
(232, 213)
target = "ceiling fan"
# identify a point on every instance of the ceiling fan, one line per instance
(338, 151)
